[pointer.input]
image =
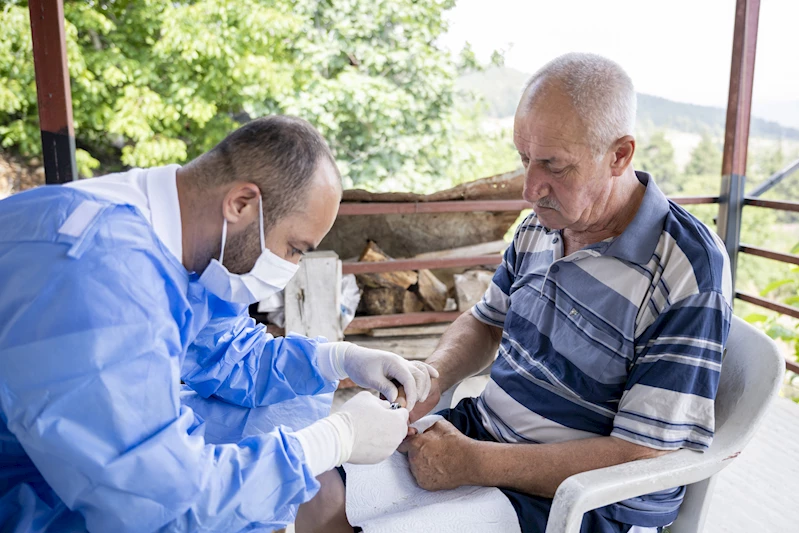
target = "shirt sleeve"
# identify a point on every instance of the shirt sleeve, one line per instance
(669, 397)
(90, 389)
(233, 358)
(493, 307)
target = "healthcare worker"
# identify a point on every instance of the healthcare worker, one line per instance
(115, 290)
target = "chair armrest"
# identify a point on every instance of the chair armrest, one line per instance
(590, 490)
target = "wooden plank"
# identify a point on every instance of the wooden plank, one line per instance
(53, 91)
(313, 297)
(405, 319)
(693, 200)
(409, 331)
(770, 254)
(768, 304)
(484, 248)
(410, 347)
(773, 204)
(420, 264)
(457, 206)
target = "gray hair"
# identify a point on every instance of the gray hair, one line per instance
(278, 153)
(601, 92)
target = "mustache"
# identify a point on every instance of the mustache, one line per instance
(548, 203)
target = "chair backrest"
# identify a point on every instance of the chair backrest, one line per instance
(751, 376)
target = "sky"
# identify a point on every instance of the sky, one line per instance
(676, 49)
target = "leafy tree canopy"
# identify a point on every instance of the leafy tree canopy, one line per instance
(155, 82)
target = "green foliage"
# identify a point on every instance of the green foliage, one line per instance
(155, 81)
(705, 158)
(776, 326)
(657, 157)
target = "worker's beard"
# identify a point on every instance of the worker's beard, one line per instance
(243, 250)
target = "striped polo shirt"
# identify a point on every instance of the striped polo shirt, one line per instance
(623, 337)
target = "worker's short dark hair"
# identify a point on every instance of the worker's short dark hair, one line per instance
(278, 153)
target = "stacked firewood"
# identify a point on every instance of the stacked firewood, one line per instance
(404, 291)
(411, 291)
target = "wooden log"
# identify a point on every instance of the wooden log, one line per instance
(390, 301)
(402, 279)
(411, 303)
(470, 287)
(432, 291)
(383, 300)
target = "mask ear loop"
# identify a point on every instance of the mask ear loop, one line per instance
(224, 238)
(261, 221)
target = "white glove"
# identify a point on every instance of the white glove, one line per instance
(364, 431)
(375, 369)
(376, 429)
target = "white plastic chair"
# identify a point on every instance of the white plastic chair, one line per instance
(751, 375)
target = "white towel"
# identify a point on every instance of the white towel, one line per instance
(384, 498)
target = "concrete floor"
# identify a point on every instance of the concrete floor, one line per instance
(757, 492)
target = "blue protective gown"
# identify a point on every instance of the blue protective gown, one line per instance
(99, 324)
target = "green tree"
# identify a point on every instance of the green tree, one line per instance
(705, 158)
(155, 81)
(657, 157)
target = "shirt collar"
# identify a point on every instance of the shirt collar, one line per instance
(638, 240)
(162, 194)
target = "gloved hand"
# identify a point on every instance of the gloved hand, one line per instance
(372, 430)
(375, 369)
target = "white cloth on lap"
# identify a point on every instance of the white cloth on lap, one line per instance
(384, 498)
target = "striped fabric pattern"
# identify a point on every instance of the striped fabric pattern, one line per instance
(624, 337)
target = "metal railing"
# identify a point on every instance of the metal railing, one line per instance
(457, 206)
(431, 317)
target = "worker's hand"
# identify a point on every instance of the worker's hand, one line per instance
(377, 429)
(375, 369)
(441, 457)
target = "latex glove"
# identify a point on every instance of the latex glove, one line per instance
(424, 375)
(375, 369)
(373, 430)
(364, 431)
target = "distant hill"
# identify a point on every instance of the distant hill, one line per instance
(501, 87)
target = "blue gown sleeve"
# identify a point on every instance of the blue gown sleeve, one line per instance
(234, 359)
(90, 387)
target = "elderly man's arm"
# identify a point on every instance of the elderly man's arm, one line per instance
(444, 458)
(466, 348)
(668, 404)
(471, 343)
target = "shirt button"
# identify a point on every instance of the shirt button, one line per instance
(573, 312)
(555, 240)
(554, 268)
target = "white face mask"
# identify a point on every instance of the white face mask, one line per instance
(269, 275)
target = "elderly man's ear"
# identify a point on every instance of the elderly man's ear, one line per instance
(623, 151)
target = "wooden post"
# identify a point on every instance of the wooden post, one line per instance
(53, 90)
(313, 297)
(736, 137)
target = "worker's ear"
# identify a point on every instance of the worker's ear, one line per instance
(240, 205)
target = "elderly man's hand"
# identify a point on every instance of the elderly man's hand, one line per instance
(440, 457)
(424, 407)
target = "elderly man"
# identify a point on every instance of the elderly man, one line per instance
(116, 289)
(609, 314)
